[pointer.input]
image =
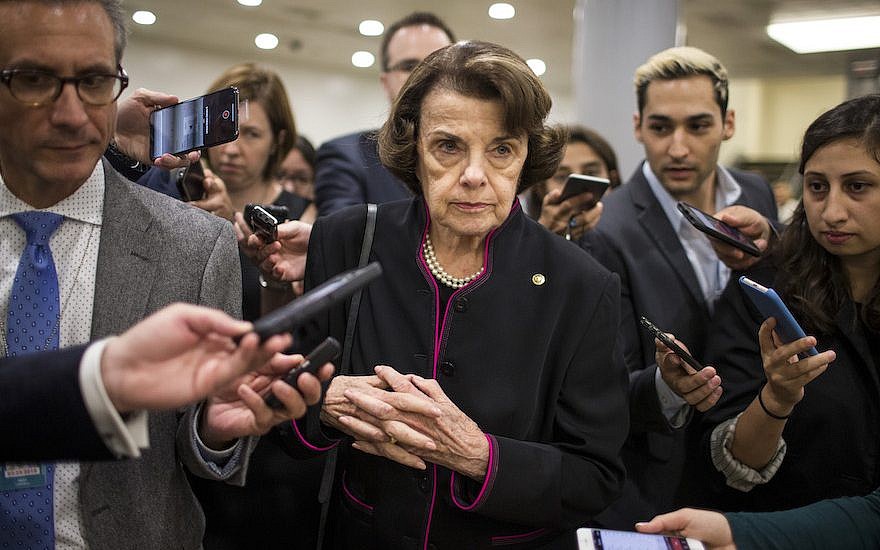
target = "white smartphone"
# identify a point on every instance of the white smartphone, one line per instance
(606, 539)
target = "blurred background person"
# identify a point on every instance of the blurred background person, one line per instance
(786, 202)
(348, 168)
(297, 175)
(588, 153)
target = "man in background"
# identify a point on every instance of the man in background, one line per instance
(348, 170)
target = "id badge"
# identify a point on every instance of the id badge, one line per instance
(17, 476)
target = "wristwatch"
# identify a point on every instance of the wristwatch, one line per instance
(124, 164)
(274, 285)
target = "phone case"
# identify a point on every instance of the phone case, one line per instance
(579, 183)
(771, 305)
(729, 235)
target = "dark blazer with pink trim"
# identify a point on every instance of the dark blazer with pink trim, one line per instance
(533, 362)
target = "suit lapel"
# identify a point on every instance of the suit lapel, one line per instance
(653, 220)
(126, 259)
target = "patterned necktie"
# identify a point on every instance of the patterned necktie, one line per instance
(32, 324)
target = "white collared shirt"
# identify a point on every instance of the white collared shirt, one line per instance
(74, 247)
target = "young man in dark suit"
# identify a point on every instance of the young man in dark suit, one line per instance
(348, 170)
(669, 271)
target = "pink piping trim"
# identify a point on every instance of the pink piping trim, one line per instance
(306, 443)
(486, 482)
(514, 538)
(431, 509)
(351, 496)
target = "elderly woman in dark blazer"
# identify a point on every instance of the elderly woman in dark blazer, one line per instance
(501, 412)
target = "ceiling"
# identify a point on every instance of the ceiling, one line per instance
(323, 33)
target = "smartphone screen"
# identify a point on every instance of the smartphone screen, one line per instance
(606, 539)
(714, 227)
(202, 122)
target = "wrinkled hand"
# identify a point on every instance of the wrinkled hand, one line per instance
(192, 356)
(569, 218)
(285, 259)
(751, 224)
(786, 374)
(336, 404)
(216, 199)
(711, 528)
(701, 389)
(133, 128)
(419, 418)
(241, 411)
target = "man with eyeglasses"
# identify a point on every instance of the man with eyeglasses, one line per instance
(86, 254)
(348, 169)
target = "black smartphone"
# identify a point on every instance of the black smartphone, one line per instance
(263, 224)
(716, 228)
(315, 301)
(279, 211)
(670, 343)
(190, 182)
(327, 351)
(197, 123)
(579, 183)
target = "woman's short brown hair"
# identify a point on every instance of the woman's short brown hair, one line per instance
(264, 86)
(485, 71)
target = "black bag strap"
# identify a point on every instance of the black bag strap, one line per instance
(329, 474)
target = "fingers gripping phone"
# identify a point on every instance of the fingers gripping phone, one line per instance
(579, 183)
(670, 343)
(197, 123)
(327, 351)
(771, 305)
(606, 539)
(717, 229)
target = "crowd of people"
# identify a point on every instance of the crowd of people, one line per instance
(495, 386)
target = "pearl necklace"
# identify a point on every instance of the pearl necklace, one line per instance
(439, 273)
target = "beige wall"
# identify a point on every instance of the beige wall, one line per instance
(772, 114)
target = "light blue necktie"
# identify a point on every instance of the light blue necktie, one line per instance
(32, 324)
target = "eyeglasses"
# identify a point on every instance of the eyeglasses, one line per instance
(404, 66)
(35, 87)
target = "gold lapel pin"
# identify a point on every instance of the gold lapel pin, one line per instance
(538, 279)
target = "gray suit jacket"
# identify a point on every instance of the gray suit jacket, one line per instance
(154, 251)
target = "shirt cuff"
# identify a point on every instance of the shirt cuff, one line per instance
(738, 475)
(124, 437)
(220, 458)
(674, 408)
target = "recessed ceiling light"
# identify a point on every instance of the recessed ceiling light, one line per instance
(266, 41)
(362, 59)
(827, 35)
(371, 27)
(143, 17)
(502, 10)
(250, 3)
(537, 65)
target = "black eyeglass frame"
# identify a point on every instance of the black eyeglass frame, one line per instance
(6, 76)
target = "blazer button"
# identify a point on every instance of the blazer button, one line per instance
(424, 483)
(461, 305)
(447, 368)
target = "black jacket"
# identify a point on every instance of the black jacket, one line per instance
(531, 361)
(833, 435)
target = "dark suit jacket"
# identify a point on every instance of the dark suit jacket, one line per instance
(348, 172)
(46, 385)
(154, 251)
(635, 240)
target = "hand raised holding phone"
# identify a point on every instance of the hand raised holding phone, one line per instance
(699, 386)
